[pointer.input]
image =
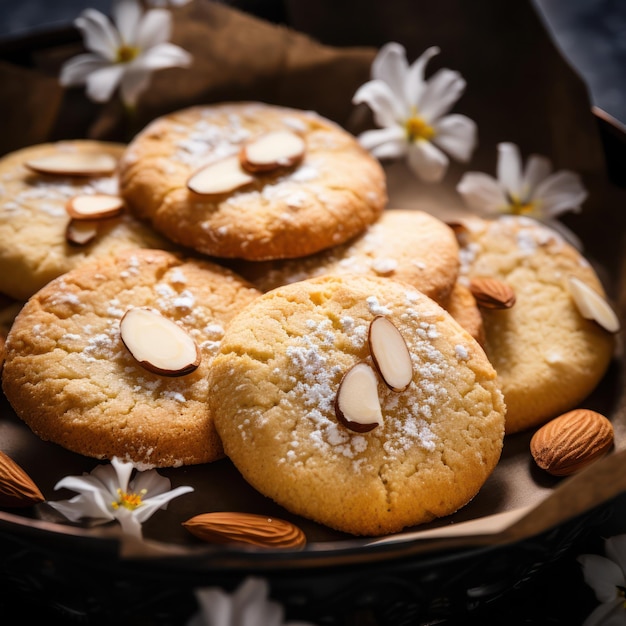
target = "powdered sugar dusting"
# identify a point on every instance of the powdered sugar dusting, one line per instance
(407, 415)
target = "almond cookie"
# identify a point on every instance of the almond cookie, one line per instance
(411, 246)
(73, 376)
(428, 426)
(36, 185)
(548, 356)
(463, 307)
(226, 181)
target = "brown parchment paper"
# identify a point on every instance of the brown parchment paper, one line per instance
(519, 88)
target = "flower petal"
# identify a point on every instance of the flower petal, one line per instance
(99, 35)
(415, 82)
(386, 108)
(427, 161)
(155, 28)
(129, 522)
(162, 56)
(151, 482)
(133, 83)
(391, 67)
(560, 192)
(102, 83)
(79, 507)
(607, 614)
(510, 168)
(75, 70)
(215, 605)
(537, 168)
(123, 471)
(616, 550)
(482, 193)
(152, 504)
(440, 94)
(127, 16)
(385, 143)
(456, 135)
(602, 575)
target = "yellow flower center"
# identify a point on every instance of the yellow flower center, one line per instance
(130, 501)
(125, 53)
(517, 207)
(417, 128)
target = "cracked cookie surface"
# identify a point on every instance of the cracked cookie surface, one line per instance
(273, 386)
(33, 218)
(330, 196)
(403, 244)
(548, 357)
(68, 375)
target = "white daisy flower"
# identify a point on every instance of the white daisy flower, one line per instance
(534, 191)
(248, 605)
(607, 577)
(123, 53)
(108, 494)
(411, 113)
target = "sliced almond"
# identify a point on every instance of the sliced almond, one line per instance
(157, 343)
(81, 232)
(94, 206)
(17, 489)
(357, 405)
(274, 150)
(572, 441)
(592, 306)
(246, 529)
(74, 164)
(491, 293)
(390, 354)
(219, 177)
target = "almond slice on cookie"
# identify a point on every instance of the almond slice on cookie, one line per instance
(73, 164)
(94, 206)
(357, 405)
(81, 232)
(158, 344)
(390, 354)
(219, 177)
(281, 148)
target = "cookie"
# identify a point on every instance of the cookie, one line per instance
(274, 386)
(462, 305)
(9, 308)
(34, 248)
(549, 358)
(329, 194)
(69, 374)
(403, 244)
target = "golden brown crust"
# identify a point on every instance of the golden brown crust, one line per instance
(273, 386)
(68, 375)
(33, 219)
(548, 357)
(403, 244)
(461, 304)
(332, 195)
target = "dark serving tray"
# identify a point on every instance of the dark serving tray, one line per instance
(434, 574)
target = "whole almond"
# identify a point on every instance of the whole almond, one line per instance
(246, 529)
(572, 441)
(16, 488)
(491, 293)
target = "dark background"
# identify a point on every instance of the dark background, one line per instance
(591, 34)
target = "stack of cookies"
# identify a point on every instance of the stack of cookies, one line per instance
(232, 283)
